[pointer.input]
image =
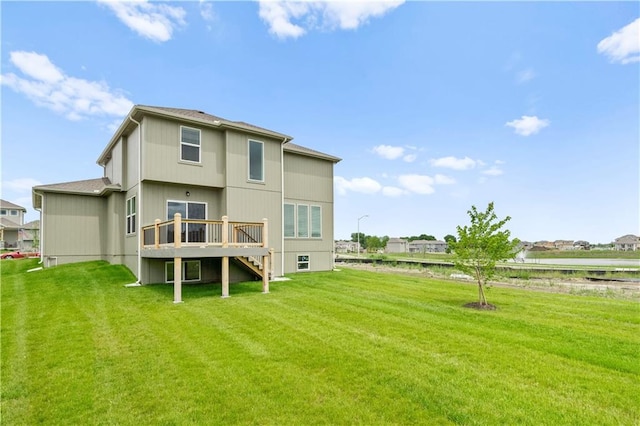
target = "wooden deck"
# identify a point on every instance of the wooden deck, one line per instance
(183, 239)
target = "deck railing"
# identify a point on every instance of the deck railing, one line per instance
(221, 233)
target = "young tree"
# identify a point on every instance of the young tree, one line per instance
(449, 239)
(482, 244)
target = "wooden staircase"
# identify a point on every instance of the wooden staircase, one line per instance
(254, 265)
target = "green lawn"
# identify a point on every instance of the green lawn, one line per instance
(348, 347)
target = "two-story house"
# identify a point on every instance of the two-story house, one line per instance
(11, 222)
(250, 202)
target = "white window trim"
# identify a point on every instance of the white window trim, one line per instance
(127, 216)
(183, 269)
(199, 146)
(206, 208)
(249, 161)
(309, 221)
(308, 262)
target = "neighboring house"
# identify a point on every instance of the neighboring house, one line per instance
(543, 245)
(627, 242)
(11, 222)
(563, 244)
(251, 203)
(582, 245)
(427, 246)
(344, 246)
(397, 245)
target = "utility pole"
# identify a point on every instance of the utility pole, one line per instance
(361, 217)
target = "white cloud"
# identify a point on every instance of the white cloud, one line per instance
(36, 66)
(444, 180)
(363, 185)
(206, 10)
(493, 171)
(409, 158)
(346, 15)
(525, 75)
(392, 191)
(155, 21)
(623, 46)
(528, 125)
(21, 184)
(420, 184)
(389, 152)
(46, 85)
(453, 163)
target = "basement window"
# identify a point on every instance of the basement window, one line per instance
(303, 262)
(190, 271)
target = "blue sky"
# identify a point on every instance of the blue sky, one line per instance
(433, 106)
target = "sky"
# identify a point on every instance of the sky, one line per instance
(433, 107)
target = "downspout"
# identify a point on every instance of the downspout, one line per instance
(139, 206)
(282, 205)
(41, 230)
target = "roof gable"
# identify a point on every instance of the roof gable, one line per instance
(9, 205)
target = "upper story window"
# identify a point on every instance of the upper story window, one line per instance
(3, 212)
(131, 215)
(256, 161)
(189, 144)
(14, 212)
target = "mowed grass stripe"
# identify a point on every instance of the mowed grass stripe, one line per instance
(332, 348)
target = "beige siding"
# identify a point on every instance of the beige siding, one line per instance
(307, 178)
(157, 194)
(162, 154)
(253, 205)
(309, 181)
(114, 167)
(74, 227)
(130, 151)
(238, 162)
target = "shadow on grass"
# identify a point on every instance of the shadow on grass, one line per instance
(207, 290)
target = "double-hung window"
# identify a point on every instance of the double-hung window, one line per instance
(256, 161)
(131, 215)
(189, 144)
(316, 222)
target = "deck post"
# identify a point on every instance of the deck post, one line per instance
(225, 231)
(156, 233)
(177, 261)
(225, 276)
(265, 232)
(265, 259)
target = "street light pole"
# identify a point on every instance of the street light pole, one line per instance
(361, 217)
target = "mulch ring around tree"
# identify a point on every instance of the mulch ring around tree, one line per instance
(480, 307)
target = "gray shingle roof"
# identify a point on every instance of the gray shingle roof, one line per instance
(9, 205)
(8, 223)
(292, 147)
(89, 186)
(213, 119)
